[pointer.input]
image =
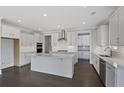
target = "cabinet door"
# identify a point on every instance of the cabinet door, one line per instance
(113, 28)
(97, 65)
(94, 61)
(110, 76)
(103, 35)
(98, 37)
(37, 37)
(24, 59)
(121, 27)
(10, 32)
(55, 39)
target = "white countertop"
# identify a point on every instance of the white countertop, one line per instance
(112, 60)
(58, 55)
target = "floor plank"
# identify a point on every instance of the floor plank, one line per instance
(84, 76)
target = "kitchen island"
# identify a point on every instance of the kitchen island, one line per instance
(56, 64)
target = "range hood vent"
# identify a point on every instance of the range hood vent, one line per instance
(62, 35)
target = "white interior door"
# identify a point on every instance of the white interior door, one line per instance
(7, 53)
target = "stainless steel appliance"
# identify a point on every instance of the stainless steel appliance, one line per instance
(39, 48)
(102, 71)
(62, 35)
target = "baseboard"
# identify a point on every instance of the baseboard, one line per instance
(24, 65)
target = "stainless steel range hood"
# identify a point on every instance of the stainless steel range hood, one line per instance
(62, 35)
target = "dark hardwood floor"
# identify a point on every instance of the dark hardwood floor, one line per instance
(84, 76)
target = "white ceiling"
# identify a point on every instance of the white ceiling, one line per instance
(65, 16)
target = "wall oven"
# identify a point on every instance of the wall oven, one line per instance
(39, 47)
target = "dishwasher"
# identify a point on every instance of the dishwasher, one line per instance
(102, 71)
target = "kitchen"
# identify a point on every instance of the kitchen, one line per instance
(59, 48)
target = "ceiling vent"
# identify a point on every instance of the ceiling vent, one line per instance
(62, 35)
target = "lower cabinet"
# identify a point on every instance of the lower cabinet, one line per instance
(25, 58)
(110, 75)
(114, 75)
(120, 77)
(95, 62)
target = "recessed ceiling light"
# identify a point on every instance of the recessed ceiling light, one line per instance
(83, 23)
(39, 28)
(19, 21)
(58, 26)
(44, 15)
(93, 13)
(1, 17)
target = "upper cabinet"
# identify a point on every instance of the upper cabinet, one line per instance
(10, 32)
(116, 27)
(121, 27)
(27, 39)
(55, 39)
(38, 37)
(72, 38)
(113, 30)
(102, 35)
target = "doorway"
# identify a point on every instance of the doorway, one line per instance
(48, 46)
(84, 46)
(7, 51)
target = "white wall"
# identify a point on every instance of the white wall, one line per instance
(7, 51)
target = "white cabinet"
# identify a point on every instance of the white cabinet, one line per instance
(72, 38)
(110, 75)
(7, 51)
(55, 42)
(37, 37)
(103, 35)
(113, 30)
(10, 32)
(27, 39)
(25, 58)
(121, 27)
(95, 62)
(116, 28)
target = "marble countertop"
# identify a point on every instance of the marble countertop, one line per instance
(58, 55)
(112, 60)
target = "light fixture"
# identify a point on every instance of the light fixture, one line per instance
(19, 21)
(1, 17)
(58, 26)
(83, 22)
(44, 14)
(39, 28)
(93, 13)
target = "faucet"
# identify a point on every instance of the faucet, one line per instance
(107, 48)
(110, 51)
